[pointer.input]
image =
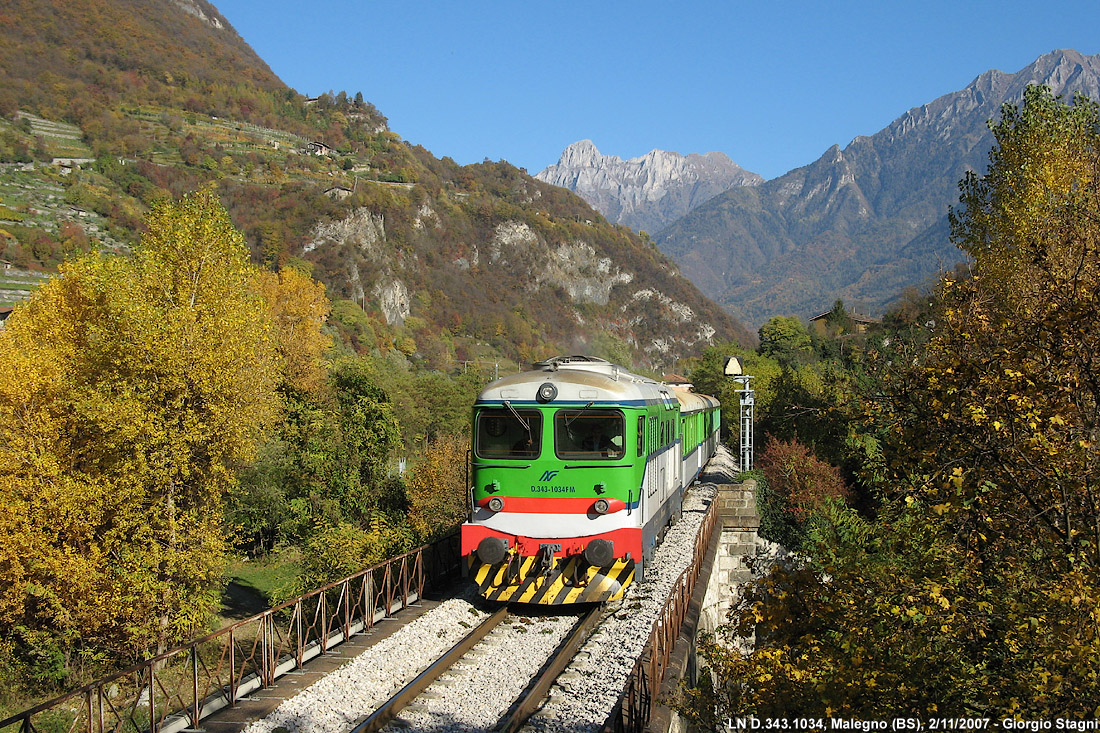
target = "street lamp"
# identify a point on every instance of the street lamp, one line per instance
(735, 369)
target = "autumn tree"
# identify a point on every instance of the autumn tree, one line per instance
(297, 308)
(1012, 381)
(975, 589)
(143, 383)
(877, 623)
(1003, 420)
(437, 487)
(796, 485)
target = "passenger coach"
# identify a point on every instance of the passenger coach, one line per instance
(577, 467)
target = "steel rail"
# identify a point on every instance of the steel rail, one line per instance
(531, 698)
(525, 704)
(384, 714)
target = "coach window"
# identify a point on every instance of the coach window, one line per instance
(589, 434)
(504, 433)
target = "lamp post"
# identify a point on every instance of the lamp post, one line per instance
(735, 370)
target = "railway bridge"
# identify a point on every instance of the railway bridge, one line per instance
(247, 677)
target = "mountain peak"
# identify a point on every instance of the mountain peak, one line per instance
(1063, 56)
(647, 192)
(864, 222)
(581, 154)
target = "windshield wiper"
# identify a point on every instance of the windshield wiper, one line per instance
(579, 413)
(518, 417)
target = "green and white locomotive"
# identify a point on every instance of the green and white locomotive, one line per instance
(577, 467)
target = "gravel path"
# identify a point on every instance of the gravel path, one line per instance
(337, 702)
(484, 687)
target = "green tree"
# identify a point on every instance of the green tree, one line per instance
(370, 434)
(345, 548)
(708, 377)
(839, 321)
(609, 346)
(328, 463)
(785, 339)
(431, 404)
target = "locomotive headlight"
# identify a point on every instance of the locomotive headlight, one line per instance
(601, 506)
(546, 393)
(495, 504)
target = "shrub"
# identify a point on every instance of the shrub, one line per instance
(796, 484)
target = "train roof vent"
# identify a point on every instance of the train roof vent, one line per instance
(582, 363)
(575, 360)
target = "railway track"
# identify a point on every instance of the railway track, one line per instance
(491, 679)
(459, 675)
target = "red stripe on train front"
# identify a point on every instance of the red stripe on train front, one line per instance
(626, 540)
(540, 505)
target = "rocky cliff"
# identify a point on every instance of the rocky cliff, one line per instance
(649, 192)
(862, 222)
(521, 280)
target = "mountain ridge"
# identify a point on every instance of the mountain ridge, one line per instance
(853, 223)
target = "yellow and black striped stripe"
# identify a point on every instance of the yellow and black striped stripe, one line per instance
(517, 581)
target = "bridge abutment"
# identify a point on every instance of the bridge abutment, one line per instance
(739, 541)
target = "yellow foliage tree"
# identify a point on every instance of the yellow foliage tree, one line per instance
(142, 384)
(437, 488)
(297, 307)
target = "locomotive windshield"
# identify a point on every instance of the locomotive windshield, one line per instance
(508, 433)
(588, 434)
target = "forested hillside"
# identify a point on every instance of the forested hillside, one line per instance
(447, 263)
(82, 61)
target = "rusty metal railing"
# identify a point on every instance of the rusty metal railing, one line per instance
(176, 690)
(642, 686)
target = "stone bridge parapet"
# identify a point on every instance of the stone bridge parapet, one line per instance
(729, 561)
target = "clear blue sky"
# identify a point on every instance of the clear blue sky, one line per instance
(771, 84)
